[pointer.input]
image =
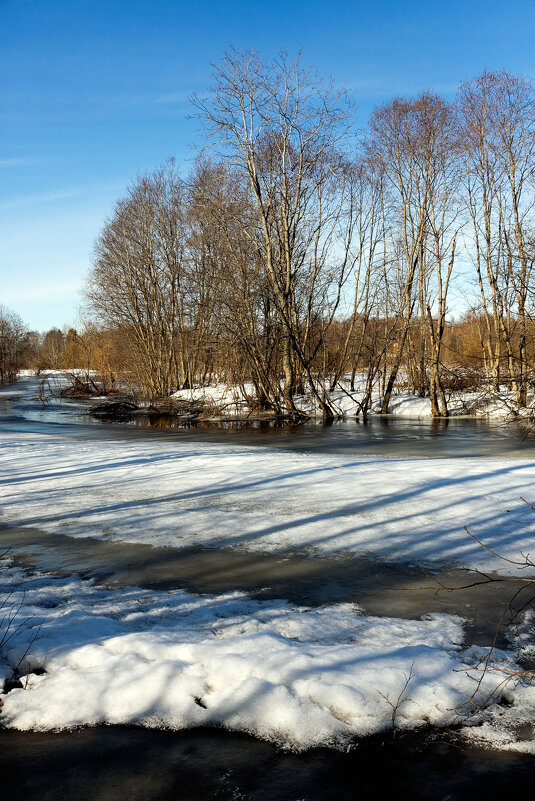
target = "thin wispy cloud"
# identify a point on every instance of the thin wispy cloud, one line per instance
(38, 198)
(172, 98)
(386, 88)
(162, 99)
(62, 194)
(17, 162)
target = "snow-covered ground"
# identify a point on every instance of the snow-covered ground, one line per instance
(170, 493)
(346, 403)
(232, 401)
(298, 676)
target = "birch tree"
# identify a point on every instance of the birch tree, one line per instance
(497, 111)
(413, 143)
(282, 128)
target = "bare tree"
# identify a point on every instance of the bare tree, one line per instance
(281, 128)
(138, 278)
(367, 271)
(498, 126)
(245, 330)
(413, 143)
(52, 349)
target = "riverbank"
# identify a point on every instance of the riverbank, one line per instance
(219, 403)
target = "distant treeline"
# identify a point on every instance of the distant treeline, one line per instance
(113, 357)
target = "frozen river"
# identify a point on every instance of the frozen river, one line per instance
(323, 547)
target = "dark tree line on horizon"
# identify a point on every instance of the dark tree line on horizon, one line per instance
(15, 345)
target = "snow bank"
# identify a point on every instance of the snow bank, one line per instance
(346, 403)
(183, 494)
(232, 401)
(297, 676)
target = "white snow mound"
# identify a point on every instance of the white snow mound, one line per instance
(298, 676)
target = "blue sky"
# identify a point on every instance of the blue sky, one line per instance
(94, 92)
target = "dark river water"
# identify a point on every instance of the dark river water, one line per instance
(105, 763)
(21, 409)
(113, 763)
(379, 588)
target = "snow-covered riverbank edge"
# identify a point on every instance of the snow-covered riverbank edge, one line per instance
(233, 402)
(223, 402)
(296, 676)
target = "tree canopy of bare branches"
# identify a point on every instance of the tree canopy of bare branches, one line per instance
(299, 254)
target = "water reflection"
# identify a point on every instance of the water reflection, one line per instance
(377, 436)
